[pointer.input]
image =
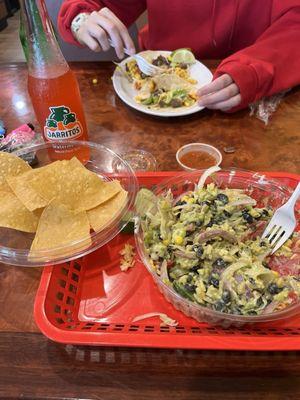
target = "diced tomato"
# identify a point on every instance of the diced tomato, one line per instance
(293, 296)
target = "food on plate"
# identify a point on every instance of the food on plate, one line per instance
(61, 202)
(172, 87)
(206, 245)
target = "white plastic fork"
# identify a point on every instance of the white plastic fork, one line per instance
(144, 65)
(283, 223)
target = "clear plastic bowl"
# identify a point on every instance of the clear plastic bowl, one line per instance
(15, 245)
(261, 188)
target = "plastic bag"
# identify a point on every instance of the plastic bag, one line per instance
(23, 136)
(264, 108)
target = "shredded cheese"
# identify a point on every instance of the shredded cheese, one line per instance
(127, 260)
(165, 319)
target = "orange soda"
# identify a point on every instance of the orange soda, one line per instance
(52, 86)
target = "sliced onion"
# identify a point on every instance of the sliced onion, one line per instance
(261, 257)
(164, 272)
(242, 202)
(206, 174)
(270, 307)
(203, 237)
(163, 317)
(188, 255)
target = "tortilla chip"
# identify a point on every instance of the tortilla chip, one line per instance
(10, 165)
(101, 215)
(60, 227)
(14, 215)
(21, 187)
(68, 182)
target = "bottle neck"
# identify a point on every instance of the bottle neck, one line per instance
(41, 48)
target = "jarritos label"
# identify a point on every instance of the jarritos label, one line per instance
(62, 124)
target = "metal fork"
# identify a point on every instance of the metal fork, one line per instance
(146, 67)
(283, 223)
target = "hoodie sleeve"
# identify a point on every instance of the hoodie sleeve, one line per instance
(127, 11)
(271, 64)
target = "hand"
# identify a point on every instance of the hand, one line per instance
(101, 25)
(221, 94)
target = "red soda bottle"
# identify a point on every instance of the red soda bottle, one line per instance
(52, 86)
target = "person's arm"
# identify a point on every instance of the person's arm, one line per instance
(269, 66)
(105, 18)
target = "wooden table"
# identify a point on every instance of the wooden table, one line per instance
(33, 367)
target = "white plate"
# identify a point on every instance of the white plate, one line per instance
(126, 91)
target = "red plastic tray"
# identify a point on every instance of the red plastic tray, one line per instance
(91, 302)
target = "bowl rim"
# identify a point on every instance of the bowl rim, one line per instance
(234, 318)
(45, 257)
(205, 148)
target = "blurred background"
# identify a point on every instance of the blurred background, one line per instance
(10, 47)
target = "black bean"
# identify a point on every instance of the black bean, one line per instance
(211, 222)
(198, 224)
(219, 263)
(160, 259)
(265, 213)
(195, 268)
(222, 198)
(213, 281)
(227, 214)
(190, 288)
(262, 244)
(189, 278)
(220, 306)
(259, 302)
(237, 311)
(247, 217)
(226, 296)
(180, 203)
(198, 249)
(274, 289)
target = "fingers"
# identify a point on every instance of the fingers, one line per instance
(113, 32)
(220, 83)
(219, 96)
(227, 104)
(89, 41)
(102, 26)
(100, 35)
(128, 42)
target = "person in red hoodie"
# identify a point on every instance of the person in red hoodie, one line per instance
(258, 40)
